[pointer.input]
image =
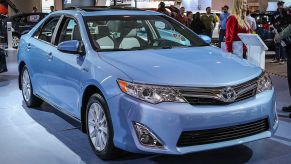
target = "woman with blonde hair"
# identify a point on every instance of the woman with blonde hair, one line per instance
(236, 23)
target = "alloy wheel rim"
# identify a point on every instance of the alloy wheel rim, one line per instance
(15, 41)
(26, 87)
(98, 126)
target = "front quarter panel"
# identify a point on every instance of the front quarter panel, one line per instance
(21, 48)
(98, 73)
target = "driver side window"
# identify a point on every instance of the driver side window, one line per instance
(47, 30)
(70, 31)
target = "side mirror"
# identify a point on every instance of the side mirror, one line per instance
(206, 38)
(72, 46)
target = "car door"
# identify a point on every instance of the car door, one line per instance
(64, 82)
(39, 47)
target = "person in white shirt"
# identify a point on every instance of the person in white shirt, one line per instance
(252, 22)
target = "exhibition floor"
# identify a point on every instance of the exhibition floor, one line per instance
(43, 135)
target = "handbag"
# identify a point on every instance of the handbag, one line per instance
(3, 66)
(237, 48)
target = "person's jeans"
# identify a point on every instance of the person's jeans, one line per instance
(280, 52)
(221, 36)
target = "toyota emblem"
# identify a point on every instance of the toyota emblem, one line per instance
(228, 94)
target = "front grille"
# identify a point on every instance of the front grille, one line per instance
(209, 96)
(199, 137)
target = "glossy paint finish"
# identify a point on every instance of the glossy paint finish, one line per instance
(193, 67)
(168, 120)
(62, 78)
(71, 46)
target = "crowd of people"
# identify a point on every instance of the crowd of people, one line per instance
(238, 21)
(199, 23)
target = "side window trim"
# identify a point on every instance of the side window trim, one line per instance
(36, 34)
(57, 29)
(62, 24)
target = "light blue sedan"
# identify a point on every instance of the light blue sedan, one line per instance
(140, 81)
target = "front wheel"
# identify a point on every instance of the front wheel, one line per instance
(99, 128)
(27, 91)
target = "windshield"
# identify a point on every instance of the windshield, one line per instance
(124, 33)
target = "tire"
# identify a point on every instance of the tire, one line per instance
(15, 40)
(27, 90)
(105, 149)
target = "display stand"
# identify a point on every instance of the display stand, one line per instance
(256, 53)
(9, 37)
(11, 53)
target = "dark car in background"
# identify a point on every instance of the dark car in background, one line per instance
(2, 18)
(264, 29)
(21, 24)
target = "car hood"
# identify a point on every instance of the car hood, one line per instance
(196, 66)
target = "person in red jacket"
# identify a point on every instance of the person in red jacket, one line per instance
(236, 23)
(181, 17)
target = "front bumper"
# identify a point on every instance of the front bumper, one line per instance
(168, 120)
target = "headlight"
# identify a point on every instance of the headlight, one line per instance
(264, 83)
(150, 93)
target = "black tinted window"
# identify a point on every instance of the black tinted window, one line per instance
(70, 31)
(32, 18)
(47, 29)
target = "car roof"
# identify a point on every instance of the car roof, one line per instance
(105, 11)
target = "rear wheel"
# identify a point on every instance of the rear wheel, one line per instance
(99, 128)
(27, 91)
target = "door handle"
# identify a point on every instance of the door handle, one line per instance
(84, 69)
(50, 56)
(28, 46)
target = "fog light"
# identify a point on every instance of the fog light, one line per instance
(275, 117)
(146, 137)
(276, 114)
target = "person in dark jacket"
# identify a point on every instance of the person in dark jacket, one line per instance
(181, 17)
(209, 21)
(189, 15)
(162, 8)
(197, 25)
(284, 34)
(280, 21)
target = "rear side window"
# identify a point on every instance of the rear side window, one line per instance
(47, 30)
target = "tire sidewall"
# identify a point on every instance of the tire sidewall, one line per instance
(29, 102)
(109, 148)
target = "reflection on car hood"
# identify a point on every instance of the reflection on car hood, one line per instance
(195, 66)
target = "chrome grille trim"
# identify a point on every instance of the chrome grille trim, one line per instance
(211, 96)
